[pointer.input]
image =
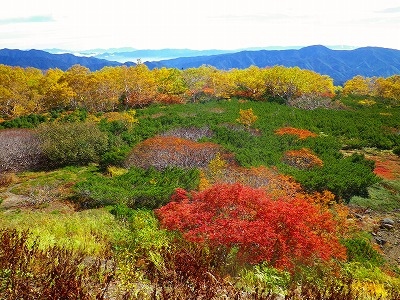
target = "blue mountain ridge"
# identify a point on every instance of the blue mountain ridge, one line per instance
(341, 65)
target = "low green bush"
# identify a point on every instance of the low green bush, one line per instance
(72, 143)
(359, 249)
(29, 121)
(138, 188)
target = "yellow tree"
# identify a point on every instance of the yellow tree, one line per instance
(250, 82)
(358, 85)
(170, 85)
(76, 77)
(104, 90)
(19, 91)
(199, 82)
(139, 86)
(389, 87)
(290, 83)
(55, 93)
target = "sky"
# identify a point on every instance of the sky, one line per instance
(192, 24)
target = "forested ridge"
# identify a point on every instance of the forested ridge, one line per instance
(260, 183)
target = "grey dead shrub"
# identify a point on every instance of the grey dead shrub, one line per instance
(190, 133)
(19, 150)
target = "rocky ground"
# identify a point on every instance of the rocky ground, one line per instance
(384, 228)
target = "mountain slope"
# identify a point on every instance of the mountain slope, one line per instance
(341, 65)
(44, 60)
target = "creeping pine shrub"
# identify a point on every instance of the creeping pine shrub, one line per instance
(145, 188)
(19, 150)
(72, 143)
(359, 249)
(396, 150)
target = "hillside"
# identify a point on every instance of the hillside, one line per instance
(119, 204)
(341, 65)
(44, 60)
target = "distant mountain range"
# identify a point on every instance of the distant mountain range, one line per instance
(44, 60)
(341, 65)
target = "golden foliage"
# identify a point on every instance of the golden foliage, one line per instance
(300, 133)
(247, 117)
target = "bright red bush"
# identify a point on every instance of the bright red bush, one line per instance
(283, 232)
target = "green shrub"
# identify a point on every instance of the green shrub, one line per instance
(359, 249)
(345, 177)
(136, 188)
(396, 150)
(382, 196)
(29, 121)
(72, 143)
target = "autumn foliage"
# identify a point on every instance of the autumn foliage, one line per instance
(163, 151)
(302, 159)
(283, 232)
(300, 133)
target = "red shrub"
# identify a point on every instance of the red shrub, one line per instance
(161, 152)
(282, 232)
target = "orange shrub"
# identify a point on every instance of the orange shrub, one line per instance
(163, 151)
(300, 133)
(302, 159)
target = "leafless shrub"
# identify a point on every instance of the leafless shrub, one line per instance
(19, 150)
(43, 194)
(310, 102)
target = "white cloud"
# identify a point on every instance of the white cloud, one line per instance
(198, 24)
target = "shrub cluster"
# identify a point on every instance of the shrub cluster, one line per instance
(161, 152)
(137, 188)
(302, 159)
(20, 150)
(72, 143)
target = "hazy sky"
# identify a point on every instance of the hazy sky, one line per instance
(198, 24)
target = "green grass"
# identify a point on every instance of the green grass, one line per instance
(91, 231)
(55, 177)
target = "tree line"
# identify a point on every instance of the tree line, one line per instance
(25, 91)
